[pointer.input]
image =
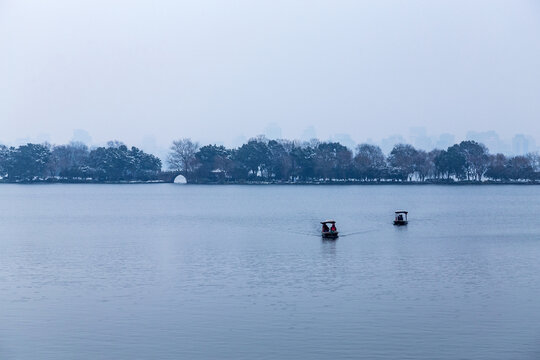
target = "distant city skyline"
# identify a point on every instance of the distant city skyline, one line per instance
(419, 137)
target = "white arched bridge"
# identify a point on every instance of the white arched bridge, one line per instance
(174, 176)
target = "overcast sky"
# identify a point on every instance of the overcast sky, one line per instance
(151, 71)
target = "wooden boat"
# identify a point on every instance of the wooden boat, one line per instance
(329, 234)
(401, 218)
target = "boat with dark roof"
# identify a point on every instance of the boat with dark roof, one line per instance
(329, 232)
(401, 218)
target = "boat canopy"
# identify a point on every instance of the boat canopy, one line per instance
(402, 212)
(328, 222)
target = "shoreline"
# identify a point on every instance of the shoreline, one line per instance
(262, 183)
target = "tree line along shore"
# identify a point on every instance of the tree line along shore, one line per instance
(266, 161)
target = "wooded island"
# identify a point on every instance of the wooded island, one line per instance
(266, 161)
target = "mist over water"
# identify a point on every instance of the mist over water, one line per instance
(204, 272)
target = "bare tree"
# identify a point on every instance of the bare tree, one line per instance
(534, 158)
(369, 161)
(402, 158)
(182, 155)
(66, 157)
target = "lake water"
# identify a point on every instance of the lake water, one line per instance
(240, 272)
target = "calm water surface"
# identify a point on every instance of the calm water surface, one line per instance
(240, 272)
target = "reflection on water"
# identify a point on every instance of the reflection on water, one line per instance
(328, 247)
(402, 227)
(241, 272)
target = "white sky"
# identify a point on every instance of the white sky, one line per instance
(152, 71)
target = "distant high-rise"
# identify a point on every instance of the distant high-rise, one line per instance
(80, 135)
(273, 131)
(491, 139)
(345, 139)
(420, 139)
(520, 144)
(388, 143)
(445, 141)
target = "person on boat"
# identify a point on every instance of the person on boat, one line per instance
(333, 228)
(400, 217)
(325, 228)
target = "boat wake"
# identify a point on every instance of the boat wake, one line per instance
(318, 234)
(357, 232)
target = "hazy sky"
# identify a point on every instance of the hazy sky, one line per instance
(151, 71)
